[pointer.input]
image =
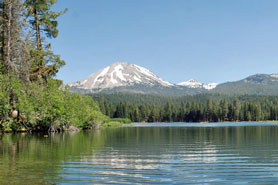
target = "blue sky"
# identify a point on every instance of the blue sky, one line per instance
(209, 40)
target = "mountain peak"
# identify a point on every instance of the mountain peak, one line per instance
(192, 83)
(120, 74)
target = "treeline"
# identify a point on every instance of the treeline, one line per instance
(200, 108)
(140, 99)
(30, 97)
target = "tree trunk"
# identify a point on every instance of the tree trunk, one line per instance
(38, 39)
(40, 56)
(38, 34)
(7, 34)
(2, 31)
(24, 65)
(24, 70)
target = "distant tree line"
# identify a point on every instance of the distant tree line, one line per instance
(199, 108)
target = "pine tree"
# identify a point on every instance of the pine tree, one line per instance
(236, 110)
(136, 115)
(223, 110)
(258, 112)
(43, 20)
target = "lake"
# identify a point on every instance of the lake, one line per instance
(168, 153)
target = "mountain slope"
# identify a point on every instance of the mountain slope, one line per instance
(259, 84)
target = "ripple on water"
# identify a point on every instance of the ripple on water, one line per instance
(150, 155)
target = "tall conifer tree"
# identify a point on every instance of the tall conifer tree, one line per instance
(44, 21)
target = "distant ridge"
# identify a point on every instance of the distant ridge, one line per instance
(131, 78)
(259, 84)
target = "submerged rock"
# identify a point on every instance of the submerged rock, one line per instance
(96, 126)
(73, 128)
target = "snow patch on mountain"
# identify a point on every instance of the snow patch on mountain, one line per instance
(210, 86)
(119, 73)
(192, 83)
(137, 79)
(112, 80)
(144, 71)
(274, 75)
(99, 77)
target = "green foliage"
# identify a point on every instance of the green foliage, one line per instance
(46, 17)
(112, 124)
(42, 19)
(41, 106)
(199, 108)
(121, 120)
(115, 122)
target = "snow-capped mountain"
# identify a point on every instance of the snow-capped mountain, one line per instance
(118, 75)
(195, 84)
(131, 78)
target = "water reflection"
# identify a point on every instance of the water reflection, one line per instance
(130, 155)
(35, 159)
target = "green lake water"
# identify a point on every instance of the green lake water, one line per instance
(172, 153)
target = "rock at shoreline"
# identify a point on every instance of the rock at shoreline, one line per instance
(73, 129)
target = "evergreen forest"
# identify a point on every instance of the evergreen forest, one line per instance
(197, 108)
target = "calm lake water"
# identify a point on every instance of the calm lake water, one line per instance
(180, 153)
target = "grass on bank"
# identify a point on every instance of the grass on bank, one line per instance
(116, 122)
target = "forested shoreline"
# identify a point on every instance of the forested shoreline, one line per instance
(198, 108)
(31, 99)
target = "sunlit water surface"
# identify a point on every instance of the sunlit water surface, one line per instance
(180, 153)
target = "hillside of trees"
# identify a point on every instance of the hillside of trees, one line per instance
(30, 97)
(198, 108)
